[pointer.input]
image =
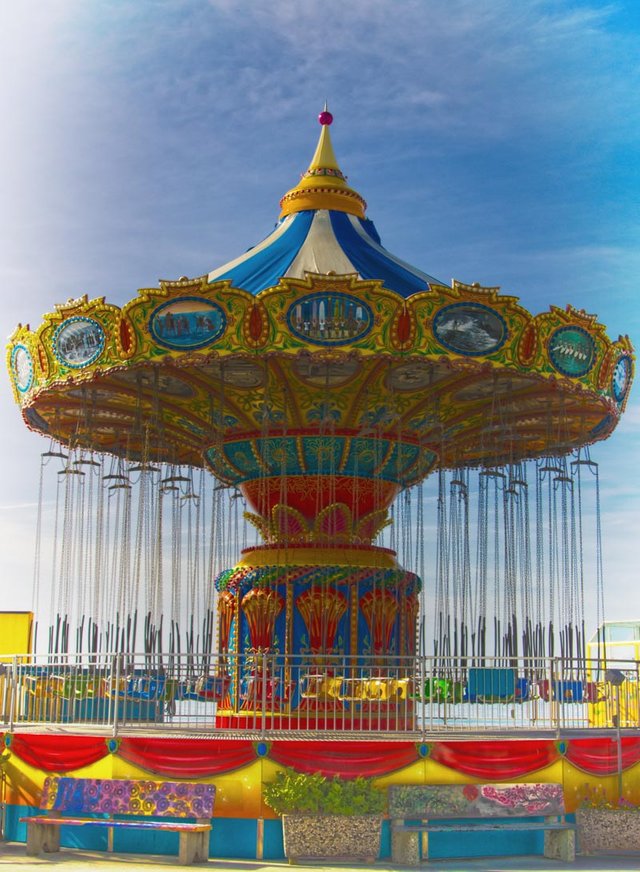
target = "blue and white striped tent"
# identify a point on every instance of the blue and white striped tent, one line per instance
(338, 239)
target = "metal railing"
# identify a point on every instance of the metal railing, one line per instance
(316, 696)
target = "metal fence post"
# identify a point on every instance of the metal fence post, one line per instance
(116, 699)
(264, 694)
(13, 690)
(553, 702)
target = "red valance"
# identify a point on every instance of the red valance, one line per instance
(187, 758)
(201, 758)
(600, 756)
(495, 760)
(348, 759)
(58, 753)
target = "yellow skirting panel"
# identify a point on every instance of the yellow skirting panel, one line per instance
(239, 793)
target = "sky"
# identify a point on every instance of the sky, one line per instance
(495, 141)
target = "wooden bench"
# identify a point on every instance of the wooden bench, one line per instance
(112, 803)
(447, 808)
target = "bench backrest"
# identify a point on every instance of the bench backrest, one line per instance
(175, 799)
(418, 801)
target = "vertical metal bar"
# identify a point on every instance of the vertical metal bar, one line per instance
(264, 695)
(14, 692)
(618, 744)
(116, 699)
(554, 715)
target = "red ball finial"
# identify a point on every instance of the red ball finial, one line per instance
(325, 117)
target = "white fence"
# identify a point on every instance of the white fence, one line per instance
(316, 696)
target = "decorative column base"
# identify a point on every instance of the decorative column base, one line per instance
(312, 636)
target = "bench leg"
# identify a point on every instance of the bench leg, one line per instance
(42, 839)
(194, 848)
(560, 845)
(405, 850)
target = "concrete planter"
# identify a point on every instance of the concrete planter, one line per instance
(331, 837)
(602, 830)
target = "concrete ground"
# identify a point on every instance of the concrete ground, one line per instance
(12, 855)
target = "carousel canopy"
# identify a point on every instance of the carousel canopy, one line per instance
(322, 229)
(320, 328)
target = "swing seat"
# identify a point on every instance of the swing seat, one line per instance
(113, 688)
(443, 690)
(273, 692)
(45, 687)
(568, 691)
(212, 687)
(544, 689)
(563, 690)
(594, 692)
(436, 690)
(323, 687)
(185, 690)
(145, 688)
(523, 690)
(80, 687)
(491, 684)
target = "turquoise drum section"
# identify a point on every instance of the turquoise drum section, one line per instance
(388, 459)
(330, 318)
(572, 351)
(187, 323)
(470, 328)
(78, 341)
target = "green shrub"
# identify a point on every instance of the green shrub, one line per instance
(297, 793)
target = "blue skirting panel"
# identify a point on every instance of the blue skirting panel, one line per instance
(230, 837)
(493, 843)
(235, 838)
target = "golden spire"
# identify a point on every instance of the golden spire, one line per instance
(323, 186)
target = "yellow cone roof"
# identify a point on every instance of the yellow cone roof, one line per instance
(323, 186)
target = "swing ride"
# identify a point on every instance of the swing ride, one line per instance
(271, 425)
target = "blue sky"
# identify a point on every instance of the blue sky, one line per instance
(494, 140)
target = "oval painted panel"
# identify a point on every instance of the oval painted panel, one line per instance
(325, 373)
(78, 341)
(621, 378)
(470, 328)
(155, 381)
(22, 367)
(327, 318)
(572, 351)
(186, 323)
(412, 376)
(238, 372)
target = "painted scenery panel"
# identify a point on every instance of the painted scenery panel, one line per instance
(189, 322)
(621, 378)
(469, 328)
(155, 382)
(572, 351)
(78, 341)
(238, 372)
(412, 376)
(330, 318)
(325, 373)
(22, 365)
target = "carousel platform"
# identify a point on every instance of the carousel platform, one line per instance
(417, 722)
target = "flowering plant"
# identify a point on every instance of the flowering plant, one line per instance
(596, 797)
